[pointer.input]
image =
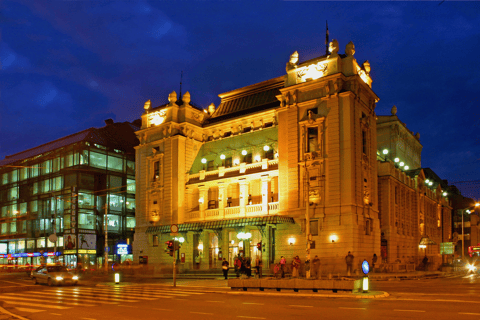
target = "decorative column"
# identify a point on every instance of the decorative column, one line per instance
(265, 179)
(243, 196)
(203, 199)
(222, 200)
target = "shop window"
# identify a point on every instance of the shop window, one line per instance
(86, 221)
(314, 227)
(155, 240)
(115, 163)
(131, 223)
(130, 186)
(130, 167)
(30, 244)
(22, 227)
(33, 207)
(13, 227)
(45, 224)
(98, 160)
(12, 247)
(130, 204)
(41, 243)
(312, 143)
(115, 202)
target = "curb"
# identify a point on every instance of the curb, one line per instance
(317, 295)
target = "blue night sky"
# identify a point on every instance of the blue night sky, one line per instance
(68, 66)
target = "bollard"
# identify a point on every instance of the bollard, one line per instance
(117, 278)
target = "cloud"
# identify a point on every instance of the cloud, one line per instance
(12, 61)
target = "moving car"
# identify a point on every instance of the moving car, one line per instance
(54, 275)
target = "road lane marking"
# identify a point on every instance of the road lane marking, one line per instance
(89, 318)
(62, 297)
(78, 295)
(408, 310)
(57, 314)
(3, 311)
(37, 305)
(216, 301)
(162, 309)
(28, 310)
(435, 300)
(128, 306)
(470, 314)
(297, 305)
(201, 312)
(250, 317)
(261, 304)
(40, 300)
(352, 308)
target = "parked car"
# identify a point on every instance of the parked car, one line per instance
(54, 275)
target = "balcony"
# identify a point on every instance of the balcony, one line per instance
(253, 210)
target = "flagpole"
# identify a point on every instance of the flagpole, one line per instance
(326, 40)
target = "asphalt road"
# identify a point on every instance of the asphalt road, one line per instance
(443, 298)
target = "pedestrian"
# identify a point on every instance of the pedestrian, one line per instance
(248, 267)
(425, 262)
(243, 266)
(295, 266)
(237, 264)
(349, 260)
(197, 261)
(276, 270)
(316, 267)
(283, 262)
(374, 260)
(258, 266)
(225, 268)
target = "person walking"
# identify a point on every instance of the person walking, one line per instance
(295, 266)
(374, 260)
(225, 268)
(258, 266)
(283, 262)
(316, 267)
(349, 261)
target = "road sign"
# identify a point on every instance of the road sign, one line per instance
(447, 248)
(174, 228)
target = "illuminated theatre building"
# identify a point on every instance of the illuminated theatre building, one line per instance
(241, 178)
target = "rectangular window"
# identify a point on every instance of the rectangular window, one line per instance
(115, 163)
(30, 244)
(34, 207)
(113, 222)
(12, 193)
(83, 157)
(131, 222)
(46, 186)
(210, 165)
(23, 208)
(34, 170)
(35, 188)
(5, 178)
(56, 164)
(4, 228)
(130, 204)
(155, 240)
(312, 143)
(228, 162)
(130, 186)
(247, 158)
(156, 170)
(86, 221)
(98, 160)
(41, 243)
(85, 200)
(46, 167)
(364, 142)
(14, 175)
(130, 167)
(68, 160)
(314, 227)
(13, 227)
(115, 202)
(12, 247)
(23, 174)
(57, 183)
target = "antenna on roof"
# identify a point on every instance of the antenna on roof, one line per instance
(326, 40)
(181, 78)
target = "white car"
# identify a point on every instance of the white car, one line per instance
(54, 275)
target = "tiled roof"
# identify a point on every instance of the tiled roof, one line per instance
(217, 224)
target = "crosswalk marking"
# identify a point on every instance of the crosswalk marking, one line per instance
(69, 297)
(29, 310)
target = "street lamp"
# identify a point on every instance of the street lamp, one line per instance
(467, 210)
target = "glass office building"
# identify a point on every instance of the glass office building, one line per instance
(56, 198)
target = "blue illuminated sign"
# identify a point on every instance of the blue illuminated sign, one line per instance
(365, 267)
(123, 249)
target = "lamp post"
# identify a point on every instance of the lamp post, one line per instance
(468, 210)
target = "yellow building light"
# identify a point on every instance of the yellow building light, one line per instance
(204, 160)
(333, 238)
(222, 156)
(396, 160)
(244, 152)
(266, 148)
(291, 241)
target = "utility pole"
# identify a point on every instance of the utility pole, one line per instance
(174, 263)
(106, 234)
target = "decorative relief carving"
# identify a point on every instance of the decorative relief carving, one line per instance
(157, 118)
(312, 72)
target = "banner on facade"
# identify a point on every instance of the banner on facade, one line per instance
(87, 241)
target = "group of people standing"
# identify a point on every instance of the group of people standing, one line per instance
(243, 265)
(281, 268)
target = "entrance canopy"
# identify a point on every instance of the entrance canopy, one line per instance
(218, 224)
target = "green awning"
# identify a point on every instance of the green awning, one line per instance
(219, 224)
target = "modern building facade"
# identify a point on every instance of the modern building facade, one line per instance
(284, 167)
(59, 190)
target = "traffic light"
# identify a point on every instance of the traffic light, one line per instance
(259, 246)
(170, 247)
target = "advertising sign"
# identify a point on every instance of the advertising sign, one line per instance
(3, 248)
(69, 242)
(87, 241)
(447, 248)
(123, 249)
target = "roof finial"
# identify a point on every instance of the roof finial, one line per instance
(326, 40)
(181, 78)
